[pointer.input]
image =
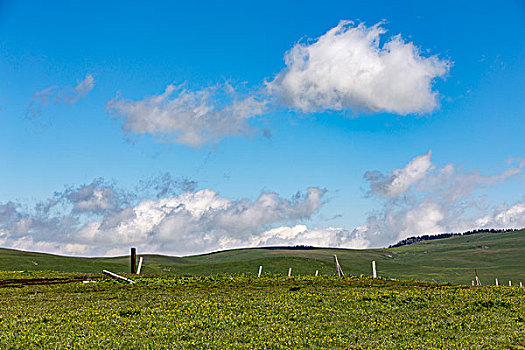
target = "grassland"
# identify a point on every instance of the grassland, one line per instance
(499, 255)
(59, 311)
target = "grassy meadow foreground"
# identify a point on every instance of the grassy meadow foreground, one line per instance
(59, 311)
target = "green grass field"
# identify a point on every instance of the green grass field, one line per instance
(497, 255)
(59, 311)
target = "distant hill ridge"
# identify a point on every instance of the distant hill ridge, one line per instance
(415, 239)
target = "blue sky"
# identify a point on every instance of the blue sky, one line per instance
(77, 99)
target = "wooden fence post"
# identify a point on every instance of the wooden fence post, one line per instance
(374, 271)
(133, 258)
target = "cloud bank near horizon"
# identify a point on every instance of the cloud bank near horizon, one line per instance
(345, 70)
(101, 219)
(169, 215)
(422, 198)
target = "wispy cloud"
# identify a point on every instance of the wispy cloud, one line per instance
(345, 69)
(58, 95)
(398, 181)
(189, 117)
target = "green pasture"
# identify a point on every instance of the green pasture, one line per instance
(493, 255)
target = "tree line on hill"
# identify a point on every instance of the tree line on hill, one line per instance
(415, 239)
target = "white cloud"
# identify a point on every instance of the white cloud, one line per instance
(188, 117)
(59, 95)
(423, 199)
(348, 69)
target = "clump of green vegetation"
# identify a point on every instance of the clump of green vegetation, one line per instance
(246, 312)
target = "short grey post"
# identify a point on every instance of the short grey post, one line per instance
(497, 282)
(289, 272)
(317, 273)
(133, 261)
(140, 265)
(260, 271)
(374, 271)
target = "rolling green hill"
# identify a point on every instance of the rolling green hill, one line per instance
(454, 259)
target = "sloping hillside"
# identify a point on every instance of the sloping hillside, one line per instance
(454, 259)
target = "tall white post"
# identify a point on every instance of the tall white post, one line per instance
(497, 282)
(374, 272)
(289, 272)
(521, 285)
(260, 271)
(140, 265)
(510, 283)
(316, 273)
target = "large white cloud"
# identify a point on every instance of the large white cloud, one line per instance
(347, 68)
(188, 117)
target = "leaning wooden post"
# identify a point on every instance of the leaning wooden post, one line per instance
(289, 272)
(140, 265)
(340, 272)
(374, 271)
(260, 271)
(133, 258)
